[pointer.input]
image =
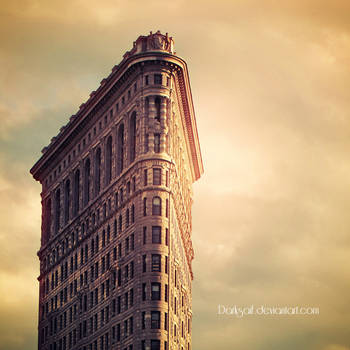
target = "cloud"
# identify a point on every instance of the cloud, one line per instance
(270, 83)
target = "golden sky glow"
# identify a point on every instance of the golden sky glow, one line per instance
(271, 87)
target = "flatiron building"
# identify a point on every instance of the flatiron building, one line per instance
(116, 249)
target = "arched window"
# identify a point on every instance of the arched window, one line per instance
(76, 191)
(157, 107)
(109, 160)
(132, 137)
(66, 201)
(87, 182)
(156, 206)
(120, 155)
(97, 171)
(57, 210)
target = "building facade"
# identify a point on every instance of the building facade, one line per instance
(116, 250)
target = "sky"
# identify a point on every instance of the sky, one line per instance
(270, 83)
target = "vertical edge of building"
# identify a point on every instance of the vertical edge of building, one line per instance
(116, 250)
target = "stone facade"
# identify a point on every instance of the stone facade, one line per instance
(116, 249)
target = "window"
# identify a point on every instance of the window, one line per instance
(57, 210)
(155, 344)
(133, 213)
(76, 191)
(97, 171)
(156, 263)
(120, 154)
(128, 188)
(167, 178)
(155, 291)
(145, 206)
(167, 208)
(87, 182)
(109, 160)
(157, 107)
(66, 201)
(157, 176)
(156, 206)
(156, 234)
(145, 177)
(143, 291)
(157, 79)
(144, 239)
(144, 266)
(146, 80)
(127, 217)
(143, 320)
(132, 137)
(155, 319)
(157, 143)
(166, 293)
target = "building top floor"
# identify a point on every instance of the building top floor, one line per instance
(150, 67)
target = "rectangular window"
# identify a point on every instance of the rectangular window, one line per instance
(166, 237)
(157, 176)
(156, 263)
(155, 319)
(166, 265)
(146, 80)
(157, 79)
(166, 293)
(155, 291)
(157, 143)
(118, 305)
(155, 344)
(143, 291)
(143, 320)
(144, 265)
(145, 206)
(132, 269)
(145, 177)
(128, 188)
(144, 239)
(118, 332)
(156, 234)
(131, 297)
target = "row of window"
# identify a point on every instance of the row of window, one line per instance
(119, 198)
(95, 218)
(129, 245)
(98, 127)
(62, 296)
